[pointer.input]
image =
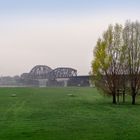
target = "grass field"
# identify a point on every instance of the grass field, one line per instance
(53, 114)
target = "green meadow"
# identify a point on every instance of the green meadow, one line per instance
(65, 114)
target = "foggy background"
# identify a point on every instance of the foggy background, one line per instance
(56, 33)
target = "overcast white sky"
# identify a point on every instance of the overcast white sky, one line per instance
(56, 33)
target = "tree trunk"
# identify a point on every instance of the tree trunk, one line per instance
(123, 96)
(133, 99)
(118, 94)
(133, 95)
(114, 98)
(118, 99)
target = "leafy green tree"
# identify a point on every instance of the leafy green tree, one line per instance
(106, 65)
(116, 63)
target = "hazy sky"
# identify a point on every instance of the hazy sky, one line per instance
(56, 32)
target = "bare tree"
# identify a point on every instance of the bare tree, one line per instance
(131, 37)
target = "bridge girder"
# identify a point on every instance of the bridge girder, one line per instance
(62, 72)
(39, 72)
(45, 72)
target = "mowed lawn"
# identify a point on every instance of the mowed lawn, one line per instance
(53, 114)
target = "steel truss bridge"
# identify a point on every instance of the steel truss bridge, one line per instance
(45, 72)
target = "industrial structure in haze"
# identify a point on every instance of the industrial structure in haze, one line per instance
(43, 76)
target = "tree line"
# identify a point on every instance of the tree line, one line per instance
(116, 61)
